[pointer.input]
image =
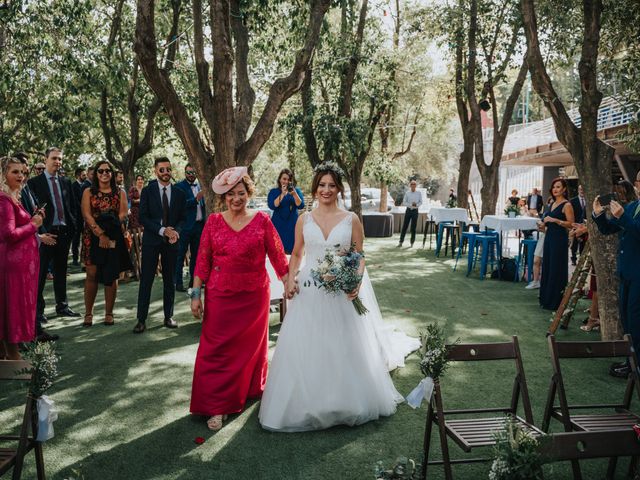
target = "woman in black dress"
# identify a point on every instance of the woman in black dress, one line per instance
(555, 260)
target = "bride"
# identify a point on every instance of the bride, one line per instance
(331, 365)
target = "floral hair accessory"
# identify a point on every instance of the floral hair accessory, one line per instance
(227, 179)
(329, 166)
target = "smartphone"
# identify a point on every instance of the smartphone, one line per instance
(43, 206)
(605, 200)
(290, 189)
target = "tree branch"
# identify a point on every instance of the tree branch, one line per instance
(205, 96)
(245, 95)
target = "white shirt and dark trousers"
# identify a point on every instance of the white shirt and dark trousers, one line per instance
(411, 200)
(579, 209)
(195, 217)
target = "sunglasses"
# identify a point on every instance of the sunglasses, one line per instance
(39, 169)
(164, 169)
(102, 171)
(190, 172)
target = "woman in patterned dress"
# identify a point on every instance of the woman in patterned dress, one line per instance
(103, 199)
(134, 197)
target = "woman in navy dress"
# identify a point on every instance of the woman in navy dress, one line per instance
(555, 260)
(285, 200)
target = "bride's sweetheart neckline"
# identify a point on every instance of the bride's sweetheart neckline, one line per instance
(326, 237)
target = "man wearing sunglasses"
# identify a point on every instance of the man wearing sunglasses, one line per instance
(54, 192)
(162, 214)
(195, 217)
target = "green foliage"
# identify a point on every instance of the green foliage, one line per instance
(511, 208)
(433, 351)
(515, 454)
(404, 469)
(44, 366)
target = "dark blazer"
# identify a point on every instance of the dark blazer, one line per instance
(40, 190)
(628, 228)
(151, 213)
(77, 189)
(579, 212)
(27, 199)
(539, 203)
(191, 205)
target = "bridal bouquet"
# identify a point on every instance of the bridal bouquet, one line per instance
(337, 272)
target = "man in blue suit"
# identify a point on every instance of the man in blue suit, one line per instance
(579, 204)
(162, 208)
(195, 217)
(626, 222)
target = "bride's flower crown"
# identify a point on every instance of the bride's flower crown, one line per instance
(329, 166)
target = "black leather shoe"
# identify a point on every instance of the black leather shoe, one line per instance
(139, 328)
(180, 288)
(170, 323)
(66, 312)
(46, 337)
(43, 318)
(620, 372)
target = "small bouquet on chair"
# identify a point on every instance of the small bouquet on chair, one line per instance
(337, 273)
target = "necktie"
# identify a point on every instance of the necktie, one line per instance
(165, 207)
(582, 202)
(57, 199)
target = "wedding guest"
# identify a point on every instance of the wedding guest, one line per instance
(522, 207)
(539, 252)
(76, 187)
(120, 183)
(514, 198)
(285, 200)
(104, 253)
(231, 364)
(578, 203)
(195, 216)
(412, 200)
(623, 219)
(19, 264)
(555, 263)
(60, 220)
(535, 202)
(38, 168)
(452, 197)
(636, 184)
(87, 183)
(162, 210)
(134, 198)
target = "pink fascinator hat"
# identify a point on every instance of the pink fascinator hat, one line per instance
(227, 179)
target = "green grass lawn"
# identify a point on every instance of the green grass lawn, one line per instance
(123, 399)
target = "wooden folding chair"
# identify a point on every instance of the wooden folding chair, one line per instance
(14, 457)
(575, 446)
(470, 433)
(621, 418)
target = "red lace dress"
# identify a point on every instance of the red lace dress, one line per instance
(100, 203)
(231, 363)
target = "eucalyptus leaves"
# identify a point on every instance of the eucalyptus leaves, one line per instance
(516, 454)
(44, 367)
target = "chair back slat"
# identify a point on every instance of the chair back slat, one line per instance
(584, 445)
(9, 369)
(617, 348)
(466, 352)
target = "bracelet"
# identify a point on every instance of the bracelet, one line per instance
(195, 293)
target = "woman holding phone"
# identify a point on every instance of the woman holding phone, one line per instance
(285, 200)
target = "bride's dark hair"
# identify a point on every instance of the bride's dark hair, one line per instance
(327, 169)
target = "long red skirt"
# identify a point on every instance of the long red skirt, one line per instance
(231, 364)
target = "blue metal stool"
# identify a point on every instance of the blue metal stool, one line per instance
(528, 248)
(489, 243)
(439, 236)
(470, 237)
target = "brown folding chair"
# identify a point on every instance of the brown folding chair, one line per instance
(621, 418)
(575, 446)
(14, 457)
(470, 433)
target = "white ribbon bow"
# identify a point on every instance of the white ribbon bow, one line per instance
(423, 390)
(47, 414)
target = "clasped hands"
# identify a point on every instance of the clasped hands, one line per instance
(171, 235)
(616, 209)
(291, 288)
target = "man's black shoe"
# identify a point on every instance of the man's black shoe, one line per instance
(139, 328)
(43, 318)
(66, 312)
(46, 337)
(75, 263)
(620, 372)
(618, 365)
(170, 323)
(180, 288)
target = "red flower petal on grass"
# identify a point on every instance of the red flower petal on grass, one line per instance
(199, 440)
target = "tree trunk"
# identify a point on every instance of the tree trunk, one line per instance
(464, 171)
(384, 191)
(356, 203)
(489, 191)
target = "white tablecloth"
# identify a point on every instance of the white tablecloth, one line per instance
(502, 223)
(442, 214)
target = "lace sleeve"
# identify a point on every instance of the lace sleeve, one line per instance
(205, 251)
(274, 248)
(9, 232)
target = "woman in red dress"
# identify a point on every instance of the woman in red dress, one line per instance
(231, 364)
(19, 263)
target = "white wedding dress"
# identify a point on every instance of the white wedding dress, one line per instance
(331, 365)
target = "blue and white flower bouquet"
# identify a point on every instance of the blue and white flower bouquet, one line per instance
(337, 273)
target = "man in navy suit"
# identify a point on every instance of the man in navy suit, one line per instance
(195, 217)
(77, 189)
(54, 190)
(625, 221)
(580, 211)
(162, 214)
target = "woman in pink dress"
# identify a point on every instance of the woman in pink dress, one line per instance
(231, 364)
(19, 263)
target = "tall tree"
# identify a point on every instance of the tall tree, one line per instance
(592, 157)
(224, 140)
